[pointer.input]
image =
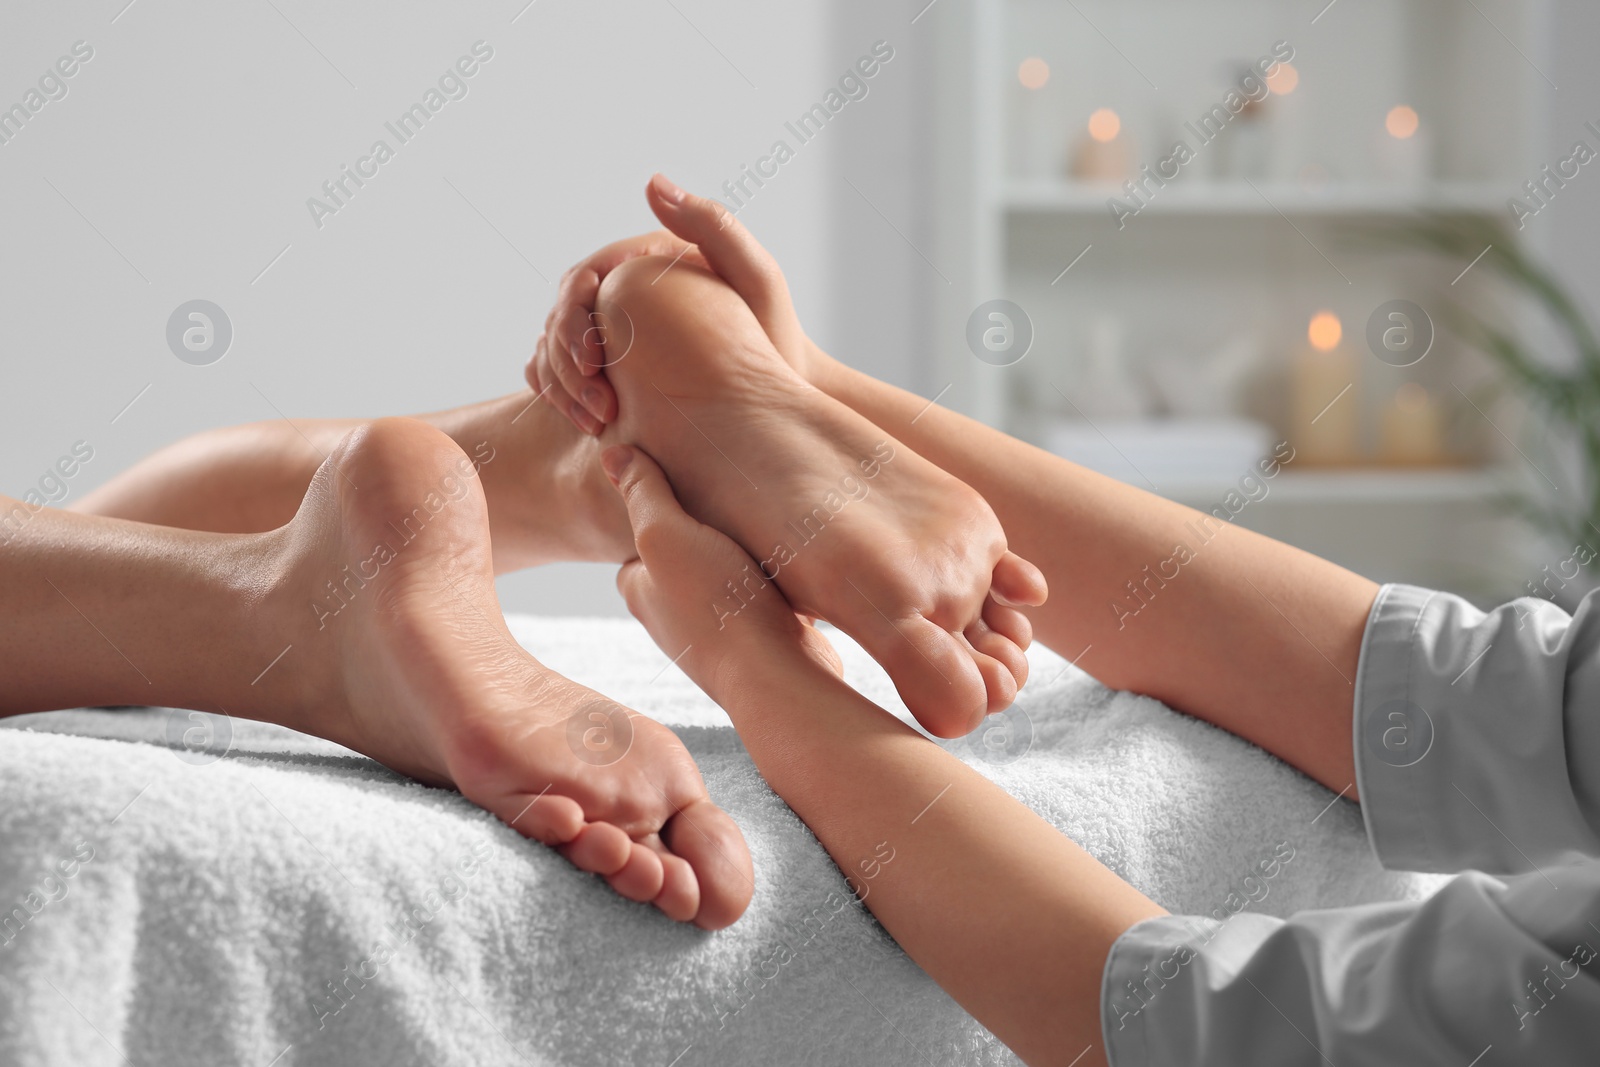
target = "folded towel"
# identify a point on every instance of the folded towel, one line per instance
(293, 902)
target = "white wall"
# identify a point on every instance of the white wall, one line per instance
(1571, 225)
(193, 138)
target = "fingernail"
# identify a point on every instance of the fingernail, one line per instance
(586, 422)
(594, 402)
(577, 354)
(615, 461)
(667, 189)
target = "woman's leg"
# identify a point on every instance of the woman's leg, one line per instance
(547, 498)
(370, 619)
(1245, 632)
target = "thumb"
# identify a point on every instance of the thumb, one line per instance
(653, 510)
(730, 249)
(636, 585)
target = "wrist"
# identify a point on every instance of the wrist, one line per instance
(757, 662)
(824, 372)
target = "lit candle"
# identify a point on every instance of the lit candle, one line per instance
(1286, 113)
(1033, 73)
(1040, 151)
(1404, 149)
(1103, 155)
(1324, 416)
(1413, 427)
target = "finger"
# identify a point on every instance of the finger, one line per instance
(604, 340)
(580, 346)
(1018, 583)
(549, 387)
(695, 258)
(580, 284)
(730, 249)
(577, 339)
(653, 510)
(532, 372)
(1016, 626)
(569, 382)
(597, 395)
(635, 585)
(574, 304)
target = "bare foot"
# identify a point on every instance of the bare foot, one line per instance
(853, 526)
(390, 557)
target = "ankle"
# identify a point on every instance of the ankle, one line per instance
(290, 669)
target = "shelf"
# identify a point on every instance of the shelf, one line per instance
(1200, 198)
(1474, 485)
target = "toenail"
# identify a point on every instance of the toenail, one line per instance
(593, 401)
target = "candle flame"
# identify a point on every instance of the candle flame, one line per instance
(1283, 80)
(1104, 125)
(1401, 122)
(1325, 331)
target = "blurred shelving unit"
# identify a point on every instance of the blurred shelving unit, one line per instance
(1224, 250)
(1265, 199)
(1372, 486)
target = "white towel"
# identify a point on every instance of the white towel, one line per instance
(163, 912)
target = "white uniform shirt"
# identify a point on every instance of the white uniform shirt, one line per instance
(1477, 740)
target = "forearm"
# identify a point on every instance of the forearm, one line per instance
(1008, 915)
(1248, 633)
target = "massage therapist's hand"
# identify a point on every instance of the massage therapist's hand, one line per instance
(677, 585)
(571, 356)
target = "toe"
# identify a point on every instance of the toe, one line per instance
(599, 848)
(1010, 622)
(1004, 653)
(679, 898)
(999, 687)
(708, 839)
(545, 817)
(1016, 581)
(998, 681)
(641, 875)
(933, 671)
